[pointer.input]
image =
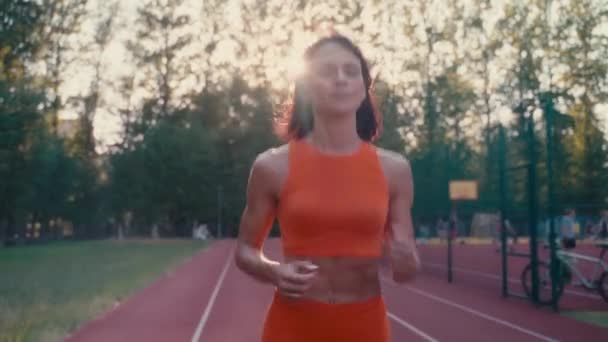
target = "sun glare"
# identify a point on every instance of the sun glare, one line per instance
(294, 62)
(295, 67)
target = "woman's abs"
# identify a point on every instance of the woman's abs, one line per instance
(343, 279)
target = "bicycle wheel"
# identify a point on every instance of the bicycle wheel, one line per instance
(602, 286)
(544, 278)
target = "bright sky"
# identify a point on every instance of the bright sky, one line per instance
(117, 62)
(116, 65)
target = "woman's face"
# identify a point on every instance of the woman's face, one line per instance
(335, 81)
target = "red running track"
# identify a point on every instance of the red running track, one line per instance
(479, 266)
(209, 299)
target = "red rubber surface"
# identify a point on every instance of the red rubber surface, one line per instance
(428, 309)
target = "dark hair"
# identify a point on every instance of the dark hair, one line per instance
(299, 113)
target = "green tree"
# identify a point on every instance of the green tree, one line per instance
(393, 121)
(17, 47)
(19, 103)
(51, 174)
(584, 52)
(523, 30)
(159, 53)
(19, 120)
(59, 23)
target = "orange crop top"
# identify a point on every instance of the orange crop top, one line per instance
(333, 205)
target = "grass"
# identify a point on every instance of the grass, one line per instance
(48, 291)
(592, 317)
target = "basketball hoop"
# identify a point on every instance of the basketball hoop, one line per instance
(463, 190)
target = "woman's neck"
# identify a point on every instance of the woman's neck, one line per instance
(335, 134)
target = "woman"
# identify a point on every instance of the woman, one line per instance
(339, 201)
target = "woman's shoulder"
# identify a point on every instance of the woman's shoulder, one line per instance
(397, 170)
(273, 154)
(393, 162)
(272, 160)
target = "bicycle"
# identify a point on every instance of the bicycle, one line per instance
(568, 268)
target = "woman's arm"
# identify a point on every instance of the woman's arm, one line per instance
(256, 221)
(403, 255)
(291, 279)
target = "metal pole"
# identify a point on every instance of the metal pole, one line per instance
(450, 232)
(532, 206)
(549, 111)
(219, 211)
(450, 219)
(502, 154)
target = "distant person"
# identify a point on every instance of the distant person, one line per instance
(568, 239)
(200, 231)
(442, 228)
(338, 199)
(454, 225)
(602, 227)
(510, 231)
(588, 230)
(567, 229)
(547, 230)
(423, 233)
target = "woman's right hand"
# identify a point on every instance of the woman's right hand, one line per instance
(294, 278)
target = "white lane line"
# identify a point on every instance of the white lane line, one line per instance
(216, 290)
(412, 328)
(479, 313)
(463, 270)
(511, 280)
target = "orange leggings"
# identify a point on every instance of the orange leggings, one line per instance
(290, 320)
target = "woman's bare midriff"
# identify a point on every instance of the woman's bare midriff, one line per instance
(343, 279)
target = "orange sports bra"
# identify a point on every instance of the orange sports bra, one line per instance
(333, 205)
